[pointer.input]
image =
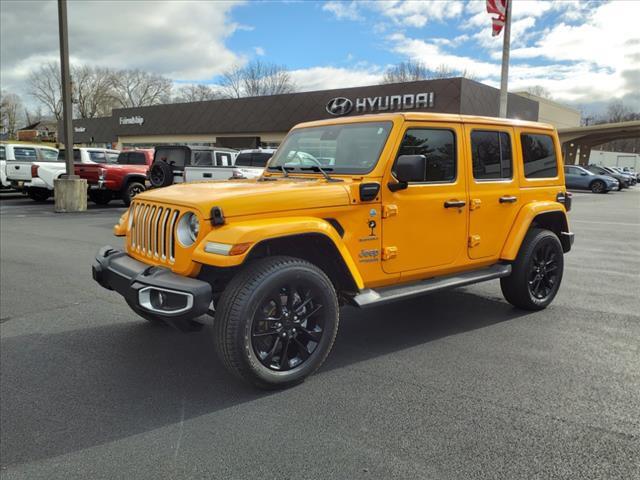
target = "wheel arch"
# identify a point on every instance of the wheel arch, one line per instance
(549, 215)
(312, 239)
(132, 177)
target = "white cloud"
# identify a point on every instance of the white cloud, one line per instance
(320, 78)
(343, 10)
(417, 13)
(167, 38)
(259, 51)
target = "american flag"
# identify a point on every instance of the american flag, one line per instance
(499, 8)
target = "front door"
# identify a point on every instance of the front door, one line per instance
(493, 188)
(425, 225)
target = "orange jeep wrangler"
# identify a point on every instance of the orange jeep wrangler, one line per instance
(363, 211)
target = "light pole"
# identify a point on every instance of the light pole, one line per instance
(70, 191)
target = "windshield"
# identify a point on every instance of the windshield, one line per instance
(349, 148)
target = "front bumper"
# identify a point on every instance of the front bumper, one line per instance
(140, 283)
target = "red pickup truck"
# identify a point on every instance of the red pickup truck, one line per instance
(123, 179)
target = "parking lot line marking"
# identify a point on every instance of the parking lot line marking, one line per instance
(607, 223)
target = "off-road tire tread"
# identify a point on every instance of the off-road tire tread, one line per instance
(514, 287)
(232, 302)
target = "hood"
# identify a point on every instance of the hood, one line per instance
(248, 197)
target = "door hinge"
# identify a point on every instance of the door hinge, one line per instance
(389, 252)
(389, 211)
(475, 204)
(474, 240)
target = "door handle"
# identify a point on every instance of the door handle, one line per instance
(508, 199)
(206, 175)
(454, 204)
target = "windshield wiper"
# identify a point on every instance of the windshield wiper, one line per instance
(323, 171)
(282, 168)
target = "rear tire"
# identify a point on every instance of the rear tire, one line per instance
(100, 197)
(537, 271)
(276, 322)
(131, 190)
(39, 194)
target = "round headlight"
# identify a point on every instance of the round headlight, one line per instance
(188, 229)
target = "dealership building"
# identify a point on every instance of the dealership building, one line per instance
(264, 121)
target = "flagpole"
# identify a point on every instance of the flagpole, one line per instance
(504, 77)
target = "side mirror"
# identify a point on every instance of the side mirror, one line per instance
(409, 168)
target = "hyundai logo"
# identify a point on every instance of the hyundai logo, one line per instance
(339, 106)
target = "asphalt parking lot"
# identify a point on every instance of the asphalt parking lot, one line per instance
(457, 385)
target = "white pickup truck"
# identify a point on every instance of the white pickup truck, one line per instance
(37, 177)
(12, 153)
(181, 163)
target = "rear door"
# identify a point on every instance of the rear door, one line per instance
(493, 188)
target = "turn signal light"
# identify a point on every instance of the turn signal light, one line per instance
(34, 171)
(239, 248)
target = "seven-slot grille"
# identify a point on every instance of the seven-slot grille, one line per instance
(153, 231)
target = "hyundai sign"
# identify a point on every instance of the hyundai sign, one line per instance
(343, 106)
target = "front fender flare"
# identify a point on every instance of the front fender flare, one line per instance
(256, 231)
(522, 223)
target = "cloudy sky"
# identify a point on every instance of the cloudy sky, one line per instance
(584, 52)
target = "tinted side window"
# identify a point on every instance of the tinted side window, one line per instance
(137, 158)
(25, 154)
(438, 146)
(260, 159)
(3, 155)
(243, 160)
(223, 159)
(98, 157)
(539, 156)
(491, 155)
(202, 159)
(61, 155)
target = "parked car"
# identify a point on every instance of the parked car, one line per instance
(391, 213)
(617, 170)
(188, 163)
(14, 154)
(251, 163)
(632, 171)
(123, 179)
(577, 177)
(37, 177)
(623, 180)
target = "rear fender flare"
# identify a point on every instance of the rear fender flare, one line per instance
(525, 218)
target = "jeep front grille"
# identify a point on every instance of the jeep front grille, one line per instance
(152, 231)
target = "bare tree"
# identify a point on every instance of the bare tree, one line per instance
(257, 79)
(10, 105)
(413, 71)
(539, 91)
(44, 85)
(135, 88)
(33, 116)
(92, 91)
(196, 93)
(408, 71)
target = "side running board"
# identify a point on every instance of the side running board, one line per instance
(369, 297)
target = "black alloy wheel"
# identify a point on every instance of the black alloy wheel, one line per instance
(543, 271)
(276, 321)
(536, 272)
(288, 327)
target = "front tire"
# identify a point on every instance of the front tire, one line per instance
(276, 322)
(537, 271)
(598, 186)
(130, 191)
